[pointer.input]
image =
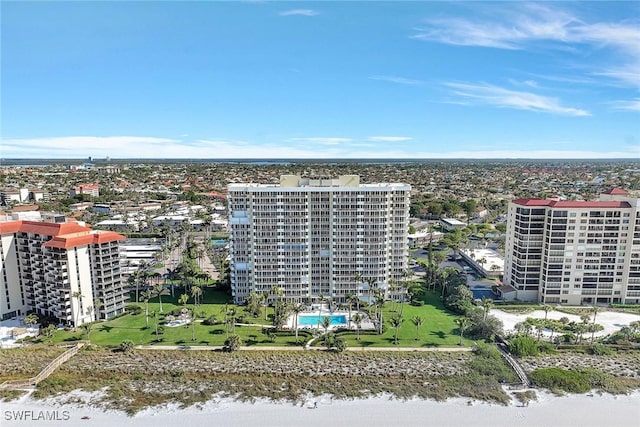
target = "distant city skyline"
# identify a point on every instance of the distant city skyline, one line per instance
(251, 79)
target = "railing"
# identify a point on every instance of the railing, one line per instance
(515, 366)
(52, 366)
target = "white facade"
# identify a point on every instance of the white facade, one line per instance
(575, 252)
(61, 270)
(313, 237)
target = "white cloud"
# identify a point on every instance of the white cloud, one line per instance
(399, 80)
(500, 97)
(323, 140)
(389, 138)
(630, 105)
(299, 12)
(523, 26)
(148, 147)
(82, 146)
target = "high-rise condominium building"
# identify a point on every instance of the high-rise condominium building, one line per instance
(575, 252)
(65, 271)
(314, 238)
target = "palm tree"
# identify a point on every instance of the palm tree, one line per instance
(396, 322)
(326, 322)
(487, 305)
(547, 309)
(146, 296)
(77, 295)
(595, 311)
(159, 290)
(196, 292)
(356, 299)
(182, 299)
(463, 323)
(349, 297)
(30, 320)
(417, 321)
(357, 319)
(379, 305)
(296, 309)
(277, 293)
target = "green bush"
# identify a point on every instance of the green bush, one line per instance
(133, 309)
(523, 345)
(561, 379)
(211, 320)
(599, 350)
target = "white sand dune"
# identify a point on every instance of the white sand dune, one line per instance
(549, 410)
(611, 321)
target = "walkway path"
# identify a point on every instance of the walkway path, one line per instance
(515, 366)
(300, 348)
(52, 366)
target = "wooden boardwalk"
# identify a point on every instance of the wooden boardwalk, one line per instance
(52, 366)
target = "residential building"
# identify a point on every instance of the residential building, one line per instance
(63, 270)
(90, 189)
(318, 238)
(451, 224)
(575, 252)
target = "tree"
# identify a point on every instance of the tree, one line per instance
(146, 296)
(296, 309)
(396, 322)
(232, 343)
(30, 320)
(487, 305)
(595, 311)
(182, 299)
(49, 331)
(196, 292)
(357, 319)
(417, 322)
(339, 344)
(86, 330)
(127, 346)
(547, 309)
(78, 296)
(253, 304)
(159, 290)
(463, 324)
(326, 322)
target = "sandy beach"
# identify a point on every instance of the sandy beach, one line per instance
(549, 410)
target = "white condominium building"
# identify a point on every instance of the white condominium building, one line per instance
(314, 238)
(575, 252)
(65, 271)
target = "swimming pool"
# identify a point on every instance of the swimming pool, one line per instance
(314, 320)
(487, 293)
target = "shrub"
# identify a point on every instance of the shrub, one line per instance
(127, 346)
(339, 344)
(561, 379)
(211, 320)
(133, 309)
(232, 343)
(523, 345)
(599, 350)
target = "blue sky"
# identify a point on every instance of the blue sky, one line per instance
(320, 79)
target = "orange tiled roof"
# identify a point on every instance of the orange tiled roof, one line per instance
(82, 239)
(50, 228)
(10, 227)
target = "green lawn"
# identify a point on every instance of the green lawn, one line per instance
(438, 328)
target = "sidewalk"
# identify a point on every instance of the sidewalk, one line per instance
(301, 348)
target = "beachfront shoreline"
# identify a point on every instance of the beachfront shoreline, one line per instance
(592, 409)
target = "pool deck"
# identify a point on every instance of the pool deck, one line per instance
(365, 325)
